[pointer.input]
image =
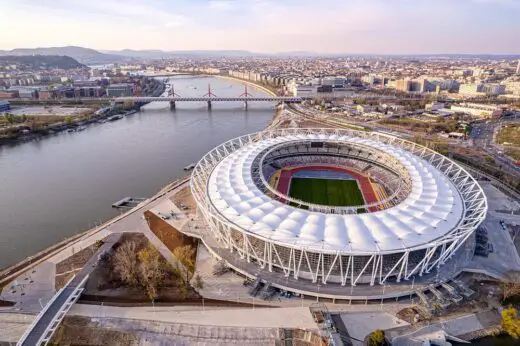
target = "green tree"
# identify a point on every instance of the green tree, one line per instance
(9, 118)
(510, 322)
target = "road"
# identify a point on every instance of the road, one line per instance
(48, 317)
(482, 136)
(334, 121)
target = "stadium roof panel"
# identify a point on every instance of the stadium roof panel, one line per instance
(432, 209)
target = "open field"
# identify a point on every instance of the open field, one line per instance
(509, 135)
(326, 191)
(59, 111)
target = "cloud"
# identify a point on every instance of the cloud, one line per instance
(221, 4)
(357, 26)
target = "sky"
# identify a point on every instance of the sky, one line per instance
(266, 26)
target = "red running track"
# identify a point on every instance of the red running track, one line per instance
(364, 182)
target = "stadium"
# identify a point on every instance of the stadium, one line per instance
(337, 207)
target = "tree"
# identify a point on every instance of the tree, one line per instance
(509, 289)
(510, 322)
(199, 282)
(151, 271)
(376, 338)
(125, 263)
(9, 118)
(185, 267)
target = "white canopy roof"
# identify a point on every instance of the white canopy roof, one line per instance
(432, 209)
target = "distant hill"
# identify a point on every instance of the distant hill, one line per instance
(42, 61)
(83, 55)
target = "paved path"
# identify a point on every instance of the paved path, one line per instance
(230, 317)
(41, 326)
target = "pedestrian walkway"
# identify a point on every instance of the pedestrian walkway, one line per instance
(47, 321)
(227, 317)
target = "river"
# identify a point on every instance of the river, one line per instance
(63, 184)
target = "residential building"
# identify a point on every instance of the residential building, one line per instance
(403, 85)
(471, 89)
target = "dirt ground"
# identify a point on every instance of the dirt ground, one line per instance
(184, 197)
(307, 124)
(170, 236)
(104, 286)
(68, 267)
(80, 331)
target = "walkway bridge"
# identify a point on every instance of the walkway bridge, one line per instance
(45, 324)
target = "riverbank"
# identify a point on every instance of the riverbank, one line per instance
(37, 127)
(256, 85)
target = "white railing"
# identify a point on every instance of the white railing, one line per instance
(44, 310)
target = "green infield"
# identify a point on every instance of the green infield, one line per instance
(326, 191)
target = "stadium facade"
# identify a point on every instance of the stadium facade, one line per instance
(426, 209)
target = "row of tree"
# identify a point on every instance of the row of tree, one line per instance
(145, 268)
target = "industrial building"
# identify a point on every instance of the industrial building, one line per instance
(120, 90)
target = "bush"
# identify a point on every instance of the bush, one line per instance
(510, 322)
(376, 338)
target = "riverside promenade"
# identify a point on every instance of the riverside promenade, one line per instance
(30, 289)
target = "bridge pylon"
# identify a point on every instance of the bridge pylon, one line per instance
(246, 95)
(209, 95)
(171, 93)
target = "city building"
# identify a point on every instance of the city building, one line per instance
(95, 91)
(9, 94)
(478, 110)
(434, 106)
(27, 92)
(482, 89)
(518, 68)
(471, 89)
(47, 94)
(403, 85)
(120, 90)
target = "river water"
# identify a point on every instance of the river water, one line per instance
(63, 184)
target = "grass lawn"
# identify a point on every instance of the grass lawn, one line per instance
(326, 191)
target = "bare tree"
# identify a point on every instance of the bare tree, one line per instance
(125, 263)
(151, 270)
(509, 289)
(199, 282)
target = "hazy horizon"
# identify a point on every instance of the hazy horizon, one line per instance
(365, 27)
